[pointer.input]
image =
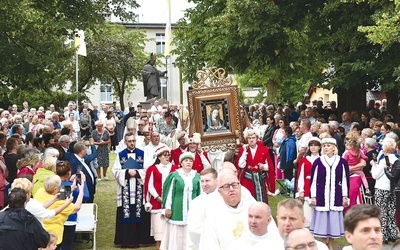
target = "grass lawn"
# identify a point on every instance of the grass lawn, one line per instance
(105, 198)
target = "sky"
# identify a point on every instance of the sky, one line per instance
(155, 11)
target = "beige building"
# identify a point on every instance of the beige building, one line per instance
(316, 93)
(170, 86)
(152, 18)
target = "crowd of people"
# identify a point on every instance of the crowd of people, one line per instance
(172, 193)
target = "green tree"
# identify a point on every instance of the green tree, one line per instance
(115, 56)
(291, 43)
(263, 39)
(33, 34)
(357, 64)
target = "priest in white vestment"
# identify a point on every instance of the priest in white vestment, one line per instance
(197, 211)
(227, 219)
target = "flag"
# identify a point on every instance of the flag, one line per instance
(168, 33)
(80, 44)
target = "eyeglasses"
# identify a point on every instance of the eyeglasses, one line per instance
(140, 124)
(227, 187)
(311, 245)
(131, 141)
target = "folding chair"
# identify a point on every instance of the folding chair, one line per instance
(366, 199)
(284, 189)
(87, 221)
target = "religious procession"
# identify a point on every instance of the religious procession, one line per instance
(175, 191)
(180, 124)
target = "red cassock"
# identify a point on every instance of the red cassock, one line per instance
(175, 154)
(153, 172)
(249, 175)
(304, 168)
(197, 164)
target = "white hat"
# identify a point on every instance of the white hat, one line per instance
(186, 155)
(250, 131)
(180, 134)
(195, 138)
(131, 123)
(314, 139)
(329, 140)
(161, 150)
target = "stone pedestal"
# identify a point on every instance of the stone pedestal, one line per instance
(148, 103)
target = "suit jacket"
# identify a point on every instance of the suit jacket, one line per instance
(90, 176)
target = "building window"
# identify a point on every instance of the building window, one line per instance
(160, 43)
(106, 92)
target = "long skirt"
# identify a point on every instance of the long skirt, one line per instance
(157, 226)
(174, 237)
(134, 233)
(327, 224)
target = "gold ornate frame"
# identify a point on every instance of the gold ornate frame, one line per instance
(215, 91)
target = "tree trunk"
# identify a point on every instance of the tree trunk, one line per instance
(353, 99)
(272, 90)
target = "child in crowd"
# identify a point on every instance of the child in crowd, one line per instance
(353, 155)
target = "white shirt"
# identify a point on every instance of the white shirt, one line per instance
(36, 208)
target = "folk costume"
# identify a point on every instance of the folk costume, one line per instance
(201, 161)
(149, 154)
(180, 188)
(304, 183)
(132, 222)
(175, 154)
(256, 179)
(153, 188)
(329, 185)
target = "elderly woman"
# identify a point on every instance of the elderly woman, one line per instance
(101, 138)
(179, 189)
(67, 129)
(392, 172)
(48, 169)
(365, 133)
(384, 196)
(153, 184)
(370, 152)
(329, 191)
(51, 188)
(39, 209)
